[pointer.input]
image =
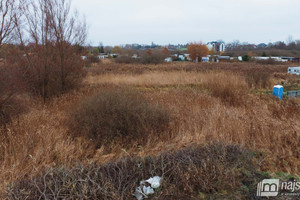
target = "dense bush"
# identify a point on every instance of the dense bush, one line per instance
(246, 58)
(118, 115)
(48, 76)
(92, 59)
(269, 61)
(214, 171)
(10, 86)
(154, 58)
(126, 60)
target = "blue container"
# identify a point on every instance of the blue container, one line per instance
(278, 91)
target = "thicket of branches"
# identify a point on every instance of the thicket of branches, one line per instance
(52, 63)
(186, 174)
(42, 39)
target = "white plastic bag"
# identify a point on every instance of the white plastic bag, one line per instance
(142, 191)
(155, 181)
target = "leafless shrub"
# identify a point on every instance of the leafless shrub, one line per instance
(118, 114)
(149, 57)
(9, 13)
(52, 62)
(206, 169)
(126, 60)
(10, 86)
(269, 61)
(155, 58)
(92, 59)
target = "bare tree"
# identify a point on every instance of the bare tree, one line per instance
(40, 36)
(68, 31)
(8, 14)
(54, 32)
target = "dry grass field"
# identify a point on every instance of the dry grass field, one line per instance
(222, 104)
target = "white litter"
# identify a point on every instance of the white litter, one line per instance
(139, 193)
(155, 181)
(148, 190)
(143, 191)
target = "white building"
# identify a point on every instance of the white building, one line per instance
(277, 59)
(168, 59)
(217, 46)
(205, 59)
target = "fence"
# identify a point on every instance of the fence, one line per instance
(295, 93)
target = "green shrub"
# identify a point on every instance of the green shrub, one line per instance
(118, 115)
(246, 58)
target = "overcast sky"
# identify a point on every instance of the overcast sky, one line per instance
(115, 22)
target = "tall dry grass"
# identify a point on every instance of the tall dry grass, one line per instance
(207, 107)
(218, 106)
(37, 140)
(172, 78)
(109, 67)
(265, 126)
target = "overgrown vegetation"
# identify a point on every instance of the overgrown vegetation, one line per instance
(258, 79)
(118, 115)
(124, 114)
(191, 173)
(230, 88)
(208, 103)
(153, 58)
(10, 87)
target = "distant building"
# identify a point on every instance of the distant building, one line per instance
(187, 57)
(296, 60)
(291, 59)
(224, 58)
(262, 45)
(102, 56)
(180, 57)
(168, 59)
(277, 59)
(217, 46)
(205, 59)
(135, 56)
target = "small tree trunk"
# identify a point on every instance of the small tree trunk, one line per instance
(62, 69)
